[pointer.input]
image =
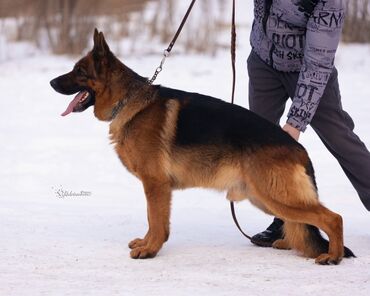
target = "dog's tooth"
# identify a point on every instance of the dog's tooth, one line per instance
(84, 96)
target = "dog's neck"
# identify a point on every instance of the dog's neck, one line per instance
(127, 109)
(134, 88)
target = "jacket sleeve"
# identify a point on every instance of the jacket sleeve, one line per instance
(323, 33)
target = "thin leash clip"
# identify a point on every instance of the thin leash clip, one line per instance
(167, 51)
(159, 69)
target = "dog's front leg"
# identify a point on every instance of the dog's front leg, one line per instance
(158, 195)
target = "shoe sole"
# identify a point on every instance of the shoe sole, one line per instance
(262, 244)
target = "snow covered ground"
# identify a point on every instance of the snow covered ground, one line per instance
(78, 245)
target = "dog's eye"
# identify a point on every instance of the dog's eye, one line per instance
(80, 70)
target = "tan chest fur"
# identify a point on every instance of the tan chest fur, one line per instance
(136, 134)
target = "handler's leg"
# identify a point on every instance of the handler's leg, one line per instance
(267, 95)
(267, 98)
(335, 128)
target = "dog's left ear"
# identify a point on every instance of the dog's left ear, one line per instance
(100, 45)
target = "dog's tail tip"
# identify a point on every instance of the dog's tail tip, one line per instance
(348, 253)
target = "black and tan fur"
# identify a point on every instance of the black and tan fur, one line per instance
(172, 139)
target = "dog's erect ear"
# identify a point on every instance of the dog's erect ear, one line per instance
(103, 44)
(96, 37)
(100, 45)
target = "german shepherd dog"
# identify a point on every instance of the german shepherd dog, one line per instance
(172, 139)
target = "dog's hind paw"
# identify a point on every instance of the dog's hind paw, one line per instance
(143, 253)
(281, 244)
(328, 259)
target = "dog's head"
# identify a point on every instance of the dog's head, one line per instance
(91, 78)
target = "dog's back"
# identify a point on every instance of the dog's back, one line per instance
(204, 120)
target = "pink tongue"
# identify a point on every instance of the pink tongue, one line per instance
(74, 103)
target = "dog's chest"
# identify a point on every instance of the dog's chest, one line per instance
(126, 156)
(137, 143)
(123, 146)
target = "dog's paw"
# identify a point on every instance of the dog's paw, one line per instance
(327, 259)
(281, 245)
(136, 243)
(143, 253)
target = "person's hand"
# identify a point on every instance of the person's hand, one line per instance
(292, 131)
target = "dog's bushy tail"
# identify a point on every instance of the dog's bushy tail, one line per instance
(308, 240)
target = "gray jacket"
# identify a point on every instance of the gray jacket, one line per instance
(299, 36)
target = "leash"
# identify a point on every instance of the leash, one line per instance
(236, 221)
(167, 51)
(233, 58)
(233, 51)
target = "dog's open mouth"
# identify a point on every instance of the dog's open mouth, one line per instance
(83, 100)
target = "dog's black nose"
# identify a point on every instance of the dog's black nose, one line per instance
(54, 84)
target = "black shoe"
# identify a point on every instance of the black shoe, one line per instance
(271, 234)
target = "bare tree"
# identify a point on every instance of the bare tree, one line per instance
(357, 21)
(65, 26)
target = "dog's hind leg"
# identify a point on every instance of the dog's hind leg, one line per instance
(291, 195)
(158, 195)
(302, 236)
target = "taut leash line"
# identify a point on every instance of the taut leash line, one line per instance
(167, 51)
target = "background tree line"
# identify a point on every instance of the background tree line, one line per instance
(357, 22)
(65, 26)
